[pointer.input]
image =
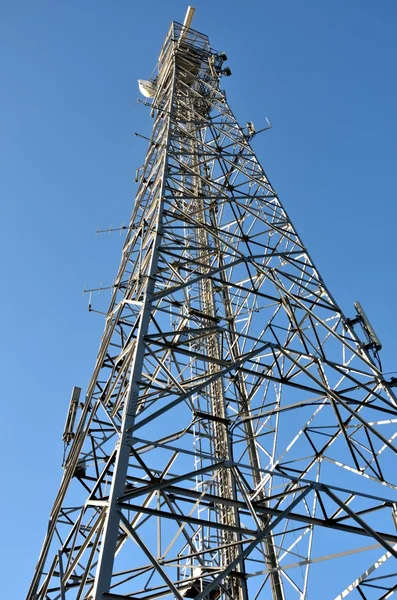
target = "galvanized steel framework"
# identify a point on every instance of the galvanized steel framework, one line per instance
(237, 434)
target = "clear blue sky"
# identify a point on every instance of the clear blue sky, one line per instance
(323, 72)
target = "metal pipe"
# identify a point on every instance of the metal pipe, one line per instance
(189, 17)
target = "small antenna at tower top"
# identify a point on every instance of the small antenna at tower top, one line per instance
(187, 22)
(189, 17)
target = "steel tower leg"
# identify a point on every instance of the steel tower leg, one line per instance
(112, 521)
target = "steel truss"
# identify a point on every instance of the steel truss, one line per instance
(237, 434)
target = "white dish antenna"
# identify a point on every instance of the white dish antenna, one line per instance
(147, 88)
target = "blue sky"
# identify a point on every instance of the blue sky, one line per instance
(322, 72)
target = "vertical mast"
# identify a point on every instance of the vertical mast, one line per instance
(207, 254)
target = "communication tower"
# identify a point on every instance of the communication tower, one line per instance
(237, 438)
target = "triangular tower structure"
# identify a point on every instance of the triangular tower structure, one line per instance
(237, 438)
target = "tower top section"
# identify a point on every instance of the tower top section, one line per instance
(198, 65)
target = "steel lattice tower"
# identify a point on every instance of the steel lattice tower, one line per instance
(237, 439)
